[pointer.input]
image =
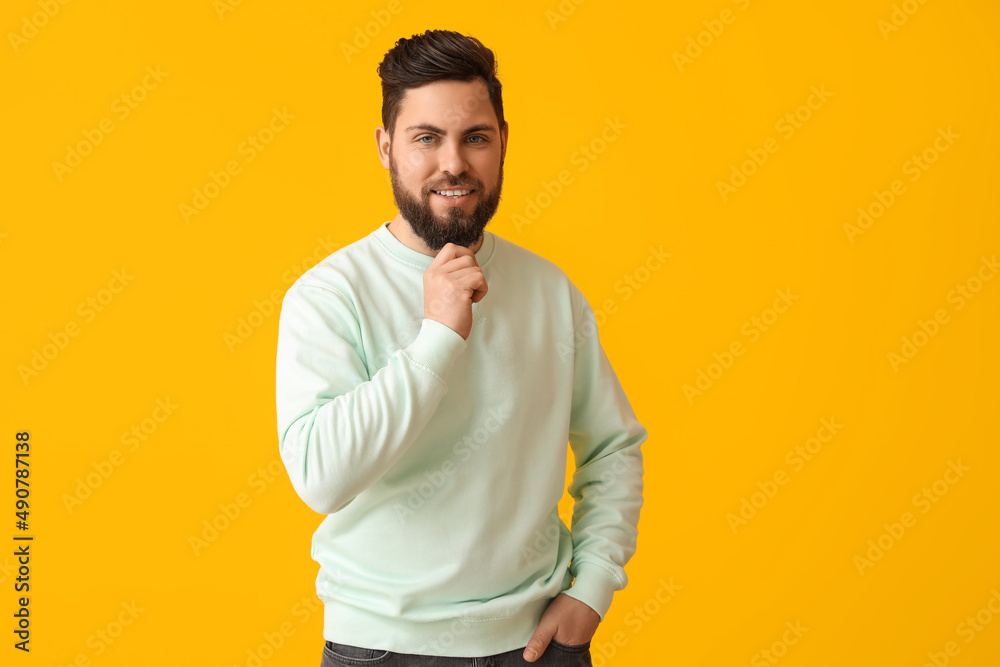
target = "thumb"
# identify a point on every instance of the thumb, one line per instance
(537, 645)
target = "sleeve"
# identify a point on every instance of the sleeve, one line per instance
(338, 430)
(607, 484)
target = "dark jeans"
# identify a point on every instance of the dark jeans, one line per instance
(555, 655)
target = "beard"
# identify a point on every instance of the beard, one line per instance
(454, 226)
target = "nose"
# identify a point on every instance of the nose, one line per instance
(451, 158)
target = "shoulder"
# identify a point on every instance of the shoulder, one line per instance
(329, 285)
(521, 259)
(544, 273)
(339, 269)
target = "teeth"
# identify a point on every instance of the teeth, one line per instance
(453, 193)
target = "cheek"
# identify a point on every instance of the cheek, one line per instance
(488, 168)
(414, 164)
(490, 178)
(412, 173)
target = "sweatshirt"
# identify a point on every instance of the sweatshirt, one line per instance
(439, 461)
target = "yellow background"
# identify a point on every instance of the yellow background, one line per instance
(567, 71)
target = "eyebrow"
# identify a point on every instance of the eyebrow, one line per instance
(482, 127)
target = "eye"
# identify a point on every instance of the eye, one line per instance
(478, 136)
(426, 136)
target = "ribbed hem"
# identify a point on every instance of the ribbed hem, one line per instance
(594, 586)
(457, 637)
(436, 347)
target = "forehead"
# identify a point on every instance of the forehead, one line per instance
(447, 104)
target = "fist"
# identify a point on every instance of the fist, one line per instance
(452, 283)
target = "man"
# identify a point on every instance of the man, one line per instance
(428, 378)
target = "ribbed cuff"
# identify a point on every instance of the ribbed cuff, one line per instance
(594, 586)
(436, 347)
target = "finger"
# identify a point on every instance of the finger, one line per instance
(460, 262)
(458, 250)
(537, 645)
(467, 277)
(446, 253)
(465, 283)
(480, 291)
(473, 279)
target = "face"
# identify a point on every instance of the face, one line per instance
(446, 139)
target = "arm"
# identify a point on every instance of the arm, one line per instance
(338, 430)
(607, 484)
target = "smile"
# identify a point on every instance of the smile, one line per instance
(452, 194)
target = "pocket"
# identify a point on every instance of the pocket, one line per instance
(345, 654)
(570, 648)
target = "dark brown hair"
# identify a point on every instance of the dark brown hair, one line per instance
(433, 56)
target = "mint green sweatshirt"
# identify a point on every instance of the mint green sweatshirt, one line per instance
(440, 461)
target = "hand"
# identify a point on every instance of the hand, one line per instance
(567, 620)
(452, 283)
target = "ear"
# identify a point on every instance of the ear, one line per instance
(383, 144)
(503, 142)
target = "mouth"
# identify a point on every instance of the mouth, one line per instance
(454, 196)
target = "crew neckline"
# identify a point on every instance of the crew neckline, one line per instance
(418, 259)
